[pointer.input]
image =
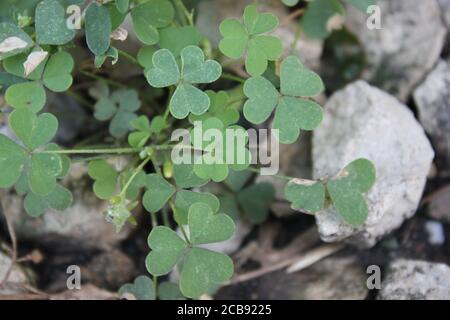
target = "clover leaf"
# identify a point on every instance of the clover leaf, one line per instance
(51, 24)
(239, 37)
(98, 28)
(27, 95)
(305, 195)
(176, 39)
(226, 149)
(122, 5)
(317, 15)
(169, 291)
(119, 107)
(201, 268)
(13, 40)
(253, 200)
(159, 191)
(293, 111)
(345, 192)
(142, 288)
(220, 108)
(186, 198)
(144, 129)
(59, 199)
(290, 3)
(185, 176)
(12, 161)
(194, 70)
(57, 73)
(150, 16)
(105, 177)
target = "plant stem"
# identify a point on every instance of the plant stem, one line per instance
(183, 231)
(129, 57)
(79, 98)
(133, 176)
(185, 15)
(233, 77)
(94, 151)
(99, 78)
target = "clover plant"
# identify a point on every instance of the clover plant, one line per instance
(181, 81)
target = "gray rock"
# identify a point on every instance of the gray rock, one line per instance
(416, 280)
(18, 278)
(433, 102)
(81, 225)
(445, 7)
(408, 45)
(361, 121)
(212, 13)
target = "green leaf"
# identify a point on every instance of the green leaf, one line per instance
(43, 171)
(98, 28)
(159, 191)
(195, 69)
(203, 269)
(305, 195)
(12, 161)
(293, 115)
(185, 199)
(207, 227)
(255, 201)
(59, 199)
(290, 3)
(105, 177)
(33, 130)
(176, 39)
(112, 53)
(150, 16)
(263, 98)
(165, 71)
(235, 38)
(51, 24)
(297, 80)
(143, 288)
(260, 48)
(57, 74)
(362, 4)
(185, 177)
(14, 65)
(237, 179)
(257, 23)
(13, 40)
(316, 17)
(145, 56)
(26, 95)
(188, 98)
(219, 108)
(122, 7)
(346, 191)
(167, 248)
(169, 291)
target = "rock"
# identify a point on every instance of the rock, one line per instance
(18, 277)
(83, 225)
(445, 7)
(407, 46)
(433, 102)
(345, 280)
(439, 207)
(211, 13)
(436, 234)
(361, 121)
(416, 280)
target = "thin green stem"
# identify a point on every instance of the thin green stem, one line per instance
(99, 78)
(133, 176)
(94, 151)
(183, 231)
(80, 99)
(233, 77)
(129, 57)
(186, 16)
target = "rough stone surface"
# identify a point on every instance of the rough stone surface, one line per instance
(416, 280)
(361, 121)
(433, 101)
(212, 13)
(345, 280)
(17, 278)
(445, 7)
(81, 225)
(408, 45)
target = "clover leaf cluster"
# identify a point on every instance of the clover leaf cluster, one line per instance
(181, 81)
